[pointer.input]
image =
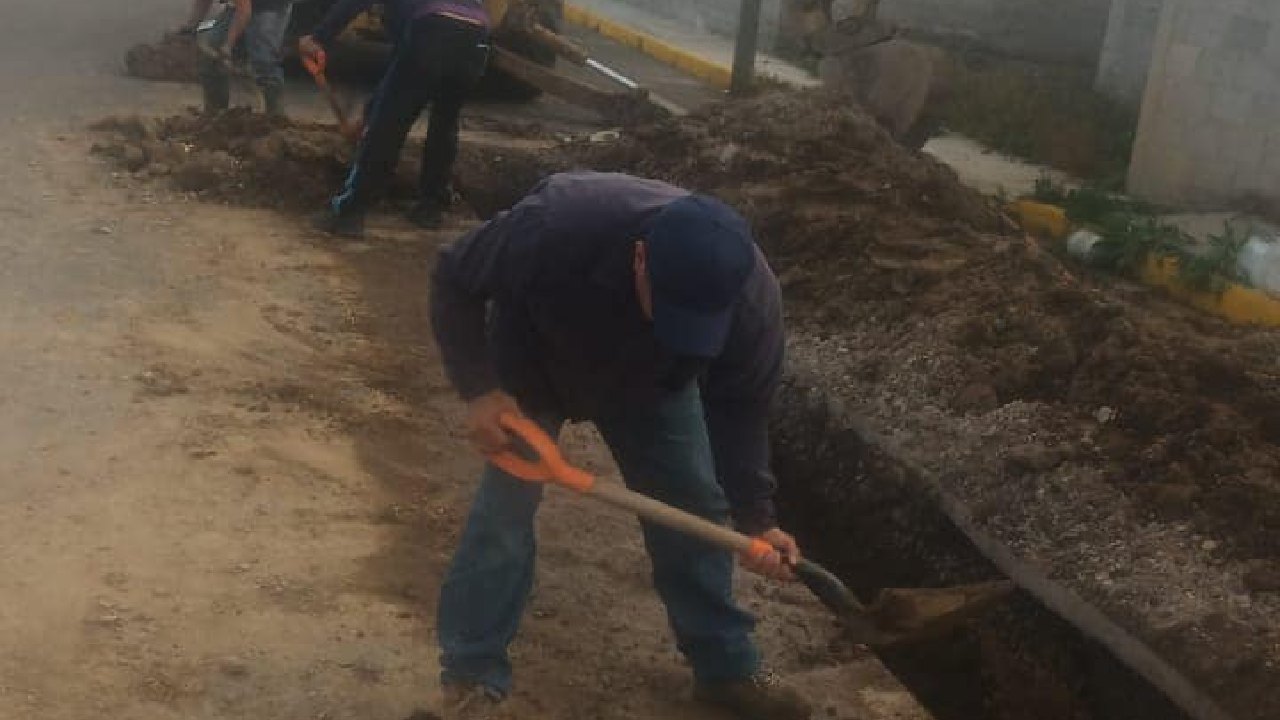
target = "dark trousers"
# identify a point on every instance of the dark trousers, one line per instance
(438, 63)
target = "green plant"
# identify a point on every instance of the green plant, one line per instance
(1088, 205)
(1217, 263)
(1133, 231)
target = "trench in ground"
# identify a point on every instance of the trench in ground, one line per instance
(865, 514)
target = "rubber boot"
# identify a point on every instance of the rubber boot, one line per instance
(217, 94)
(273, 99)
(348, 225)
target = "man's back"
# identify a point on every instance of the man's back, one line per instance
(568, 333)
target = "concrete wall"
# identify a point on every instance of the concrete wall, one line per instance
(1044, 30)
(1127, 48)
(1210, 127)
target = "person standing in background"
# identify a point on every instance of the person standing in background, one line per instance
(441, 50)
(256, 28)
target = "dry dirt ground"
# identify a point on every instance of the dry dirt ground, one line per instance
(229, 475)
(228, 472)
(260, 530)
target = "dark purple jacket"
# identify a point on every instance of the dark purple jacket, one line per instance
(399, 15)
(541, 302)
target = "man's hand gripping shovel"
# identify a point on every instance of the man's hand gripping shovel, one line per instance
(897, 615)
(316, 63)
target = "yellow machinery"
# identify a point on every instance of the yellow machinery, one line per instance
(526, 44)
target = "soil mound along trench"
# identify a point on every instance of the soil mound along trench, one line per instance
(917, 293)
(238, 157)
(870, 237)
(245, 158)
(916, 307)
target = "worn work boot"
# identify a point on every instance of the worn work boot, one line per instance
(273, 100)
(470, 702)
(217, 94)
(760, 697)
(347, 225)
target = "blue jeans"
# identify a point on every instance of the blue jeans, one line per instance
(262, 44)
(663, 452)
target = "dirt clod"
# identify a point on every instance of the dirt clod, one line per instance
(174, 58)
(1263, 578)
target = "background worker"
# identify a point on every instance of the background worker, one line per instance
(256, 26)
(441, 49)
(651, 313)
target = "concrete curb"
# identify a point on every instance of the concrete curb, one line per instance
(709, 71)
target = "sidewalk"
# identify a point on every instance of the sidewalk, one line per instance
(702, 54)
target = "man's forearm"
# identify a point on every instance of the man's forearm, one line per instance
(739, 433)
(239, 23)
(491, 263)
(459, 323)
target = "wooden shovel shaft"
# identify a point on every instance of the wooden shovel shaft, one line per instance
(662, 514)
(335, 105)
(880, 624)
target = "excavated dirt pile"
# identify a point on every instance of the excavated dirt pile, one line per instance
(237, 157)
(879, 244)
(1127, 446)
(244, 158)
(173, 58)
(885, 246)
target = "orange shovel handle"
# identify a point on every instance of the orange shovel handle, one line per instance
(316, 64)
(547, 464)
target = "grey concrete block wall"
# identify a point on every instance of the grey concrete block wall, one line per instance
(1127, 48)
(1070, 31)
(1210, 127)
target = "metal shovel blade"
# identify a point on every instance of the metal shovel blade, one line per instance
(901, 614)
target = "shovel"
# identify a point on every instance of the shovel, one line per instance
(316, 65)
(897, 615)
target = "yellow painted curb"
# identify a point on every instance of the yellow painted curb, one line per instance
(1239, 304)
(706, 70)
(1040, 218)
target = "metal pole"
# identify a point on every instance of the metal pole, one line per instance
(744, 51)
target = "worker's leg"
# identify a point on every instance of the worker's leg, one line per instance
(215, 79)
(460, 52)
(264, 43)
(396, 104)
(664, 452)
(489, 580)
